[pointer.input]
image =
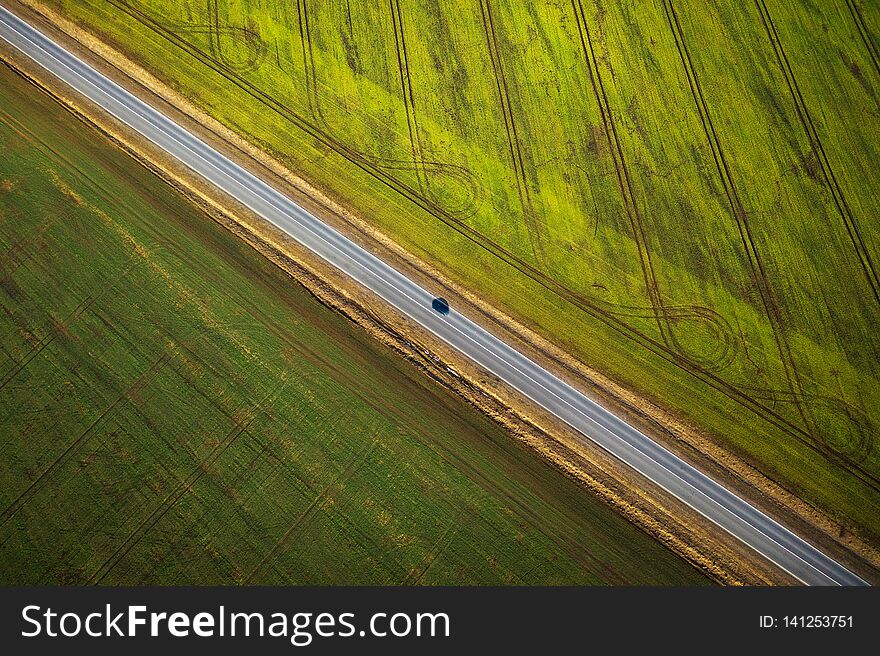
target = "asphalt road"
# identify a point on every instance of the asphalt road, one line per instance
(595, 423)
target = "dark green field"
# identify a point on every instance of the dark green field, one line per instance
(174, 409)
(683, 194)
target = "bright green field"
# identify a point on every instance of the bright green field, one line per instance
(683, 194)
(174, 409)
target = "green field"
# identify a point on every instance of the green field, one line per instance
(683, 195)
(174, 409)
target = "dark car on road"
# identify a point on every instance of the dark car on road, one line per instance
(441, 305)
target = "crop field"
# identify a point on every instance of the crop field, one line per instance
(682, 194)
(174, 409)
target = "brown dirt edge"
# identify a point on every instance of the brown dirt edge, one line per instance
(650, 508)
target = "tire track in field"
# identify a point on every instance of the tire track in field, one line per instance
(828, 175)
(861, 442)
(418, 164)
(251, 39)
(56, 156)
(18, 254)
(415, 575)
(391, 413)
(409, 102)
(112, 196)
(57, 328)
(136, 385)
(591, 306)
(203, 467)
(571, 545)
(864, 33)
(758, 273)
(255, 47)
(394, 415)
(516, 157)
(59, 158)
(307, 514)
(663, 314)
(308, 55)
(51, 153)
(308, 354)
(757, 269)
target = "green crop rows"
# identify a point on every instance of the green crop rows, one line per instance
(173, 409)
